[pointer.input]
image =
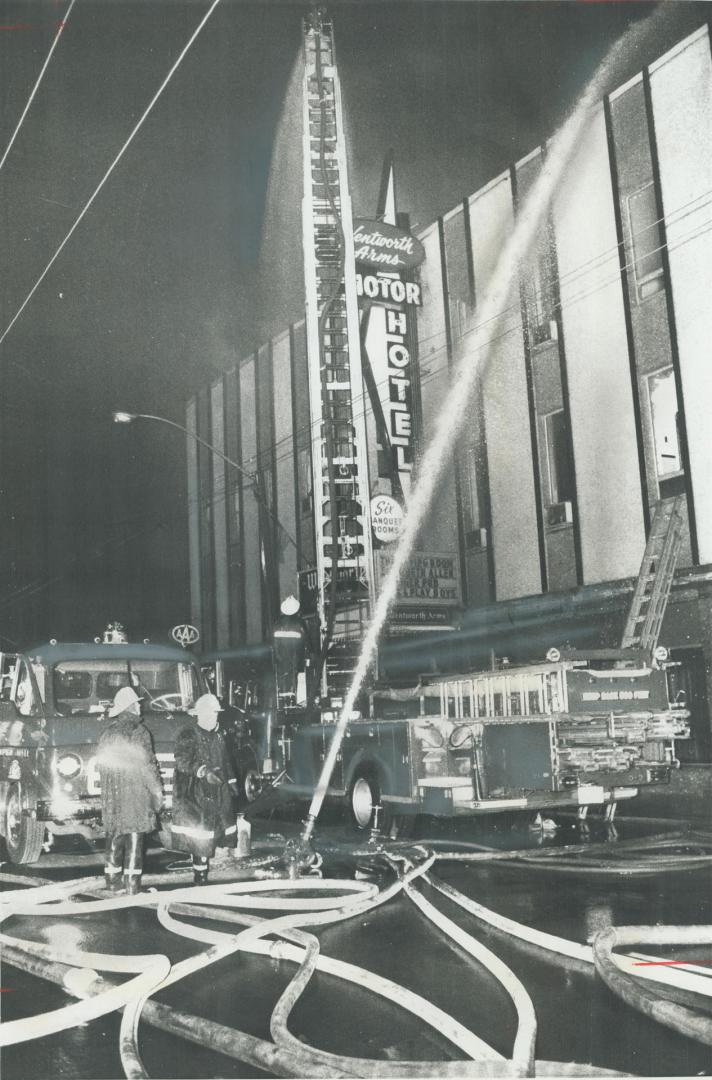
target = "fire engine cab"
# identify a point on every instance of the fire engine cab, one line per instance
(53, 704)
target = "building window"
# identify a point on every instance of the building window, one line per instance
(662, 395)
(644, 223)
(561, 471)
(475, 536)
(541, 296)
(305, 480)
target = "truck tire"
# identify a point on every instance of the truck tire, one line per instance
(24, 836)
(250, 781)
(364, 795)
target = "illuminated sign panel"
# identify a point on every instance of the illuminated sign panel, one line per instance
(428, 592)
(388, 287)
(386, 247)
(387, 340)
(387, 258)
(386, 518)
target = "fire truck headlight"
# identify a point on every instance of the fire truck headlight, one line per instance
(660, 654)
(553, 655)
(68, 766)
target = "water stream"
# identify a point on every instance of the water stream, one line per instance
(473, 363)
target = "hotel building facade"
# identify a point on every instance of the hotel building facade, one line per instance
(594, 403)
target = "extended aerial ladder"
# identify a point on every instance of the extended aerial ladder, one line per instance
(652, 589)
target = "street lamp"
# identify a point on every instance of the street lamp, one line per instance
(254, 479)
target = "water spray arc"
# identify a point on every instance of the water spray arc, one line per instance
(454, 408)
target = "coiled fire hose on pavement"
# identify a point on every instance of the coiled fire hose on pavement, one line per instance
(287, 1056)
(692, 979)
(668, 1006)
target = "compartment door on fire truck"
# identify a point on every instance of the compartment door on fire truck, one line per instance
(517, 757)
(686, 676)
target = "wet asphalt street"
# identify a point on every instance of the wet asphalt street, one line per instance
(579, 1019)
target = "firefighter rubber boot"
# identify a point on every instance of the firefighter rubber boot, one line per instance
(134, 864)
(200, 871)
(112, 878)
(132, 882)
(113, 860)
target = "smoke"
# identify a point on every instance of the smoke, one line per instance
(280, 284)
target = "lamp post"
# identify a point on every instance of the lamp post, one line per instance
(253, 478)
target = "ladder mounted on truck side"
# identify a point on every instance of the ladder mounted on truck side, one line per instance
(652, 589)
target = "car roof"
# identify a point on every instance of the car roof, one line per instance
(53, 652)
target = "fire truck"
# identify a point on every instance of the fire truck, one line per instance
(575, 730)
(578, 729)
(53, 704)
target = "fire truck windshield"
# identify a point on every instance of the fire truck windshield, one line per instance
(89, 686)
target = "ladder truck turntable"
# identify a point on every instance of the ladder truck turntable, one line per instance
(580, 728)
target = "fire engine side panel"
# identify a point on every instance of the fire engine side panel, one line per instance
(383, 745)
(517, 758)
(618, 690)
(309, 745)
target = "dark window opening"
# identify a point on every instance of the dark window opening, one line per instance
(646, 240)
(687, 688)
(561, 467)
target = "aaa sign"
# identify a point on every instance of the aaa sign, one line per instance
(185, 634)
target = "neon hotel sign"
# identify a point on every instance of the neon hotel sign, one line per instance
(391, 251)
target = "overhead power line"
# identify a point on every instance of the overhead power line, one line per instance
(137, 127)
(35, 88)
(218, 490)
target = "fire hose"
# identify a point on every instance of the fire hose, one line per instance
(154, 969)
(667, 1007)
(153, 973)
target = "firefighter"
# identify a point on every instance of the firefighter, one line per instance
(203, 787)
(131, 793)
(289, 642)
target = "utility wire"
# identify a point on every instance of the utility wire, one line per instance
(35, 88)
(109, 171)
(309, 428)
(218, 490)
(195, 503)
(566, 302)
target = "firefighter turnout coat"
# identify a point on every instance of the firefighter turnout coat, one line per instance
(203, 816)
(131, 792)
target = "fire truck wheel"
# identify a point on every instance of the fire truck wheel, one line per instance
(251, 785)
(364, 795)
(23, 835)
(250, 782)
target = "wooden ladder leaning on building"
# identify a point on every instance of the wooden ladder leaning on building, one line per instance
(652, 588)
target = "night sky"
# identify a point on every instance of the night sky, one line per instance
(159, 289)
